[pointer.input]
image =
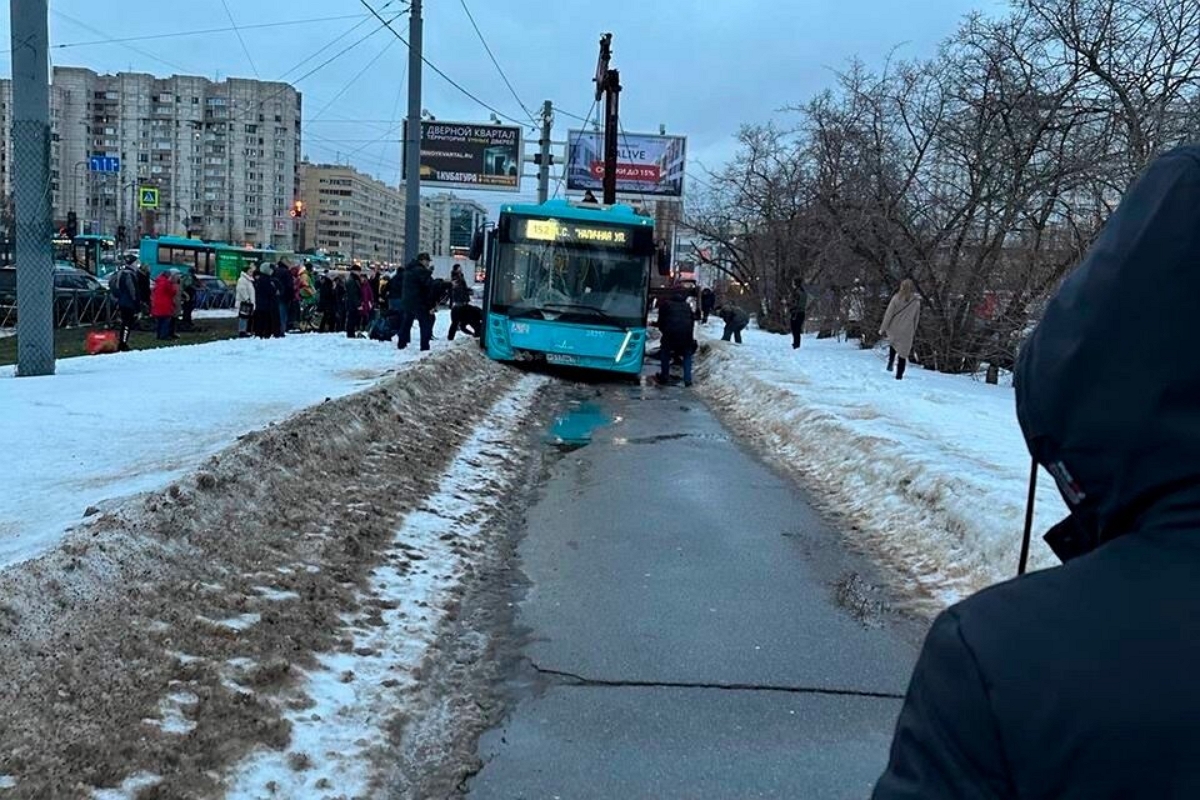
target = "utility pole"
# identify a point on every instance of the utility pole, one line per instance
(412, 137)
(544, 158)
(31, 176)
(608, 86)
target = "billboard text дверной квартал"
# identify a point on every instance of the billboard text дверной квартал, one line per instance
(470, 155)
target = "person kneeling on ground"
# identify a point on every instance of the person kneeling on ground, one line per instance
(736, 321)
(467, 317)
(676, 321)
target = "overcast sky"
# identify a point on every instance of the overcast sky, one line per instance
(700, 67)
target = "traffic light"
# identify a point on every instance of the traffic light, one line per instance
(298, 208)
(72, 224)
(121, 233)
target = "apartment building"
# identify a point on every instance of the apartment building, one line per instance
(223, 155)
(453, 221)
(353, 214)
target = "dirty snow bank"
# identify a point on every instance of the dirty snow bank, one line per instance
(932, 471)
(162, 641)
(106, 427)
(354, 696)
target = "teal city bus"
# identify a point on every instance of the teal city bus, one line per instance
(567, 284)
(94, 253)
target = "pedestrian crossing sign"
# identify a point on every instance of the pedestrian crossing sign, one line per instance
(147, 197)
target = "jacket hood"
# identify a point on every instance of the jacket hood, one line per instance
(1108, 384)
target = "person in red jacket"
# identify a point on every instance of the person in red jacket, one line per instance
(162, 303)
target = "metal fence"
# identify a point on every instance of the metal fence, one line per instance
(78, 310)
(70, 311)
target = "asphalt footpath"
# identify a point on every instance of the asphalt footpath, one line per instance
(692, 627)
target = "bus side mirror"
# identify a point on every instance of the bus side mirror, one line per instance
(476, 251)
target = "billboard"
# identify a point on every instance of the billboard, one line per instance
(648, 165)
(470, 155)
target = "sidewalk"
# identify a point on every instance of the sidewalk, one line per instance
(933, 469)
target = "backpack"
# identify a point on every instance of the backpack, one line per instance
(114, 283)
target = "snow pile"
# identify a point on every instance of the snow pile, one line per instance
(107, 427)
(933, 469)
(169, 637)
(353, 696)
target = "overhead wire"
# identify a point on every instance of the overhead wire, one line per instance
(312, 71)
(352, 81)
(496, 64)
(327, 45)
(574, 116)
(396, 108)
(203, 32)
(442, 74)
(562, 175)
(241, 41)
(138, 50)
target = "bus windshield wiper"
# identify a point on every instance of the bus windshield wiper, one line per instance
(581, 307)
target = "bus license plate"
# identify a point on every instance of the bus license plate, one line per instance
(560, 358)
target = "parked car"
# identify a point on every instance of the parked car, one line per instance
(212, 292)
(79, 299)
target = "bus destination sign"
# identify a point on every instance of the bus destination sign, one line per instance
(567, 232)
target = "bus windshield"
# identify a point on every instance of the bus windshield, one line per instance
(571, 283)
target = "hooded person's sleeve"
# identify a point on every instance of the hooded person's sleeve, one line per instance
(947, 744)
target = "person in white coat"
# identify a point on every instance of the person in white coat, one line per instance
(244, 297)
(900, 326)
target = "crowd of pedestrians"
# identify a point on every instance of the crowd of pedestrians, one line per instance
(275, 299)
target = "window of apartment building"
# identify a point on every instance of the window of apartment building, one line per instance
(195, 101)
(251, 129)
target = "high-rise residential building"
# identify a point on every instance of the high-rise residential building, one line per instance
(353, 214)
(223, 155)
(454, 221)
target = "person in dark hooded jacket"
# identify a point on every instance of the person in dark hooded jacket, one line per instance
(285, 290)
(677, 323)
(1081, 681)
(417, 302)
(266, 303)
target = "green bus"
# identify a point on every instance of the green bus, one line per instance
(226, 261)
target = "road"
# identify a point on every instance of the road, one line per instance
(692, 628)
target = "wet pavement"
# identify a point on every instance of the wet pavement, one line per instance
(693, 628)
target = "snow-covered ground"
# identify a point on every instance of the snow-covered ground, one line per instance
(933, 469)
(355, 695)
(106, 427)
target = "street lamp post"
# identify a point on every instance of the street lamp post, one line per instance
(75, 185)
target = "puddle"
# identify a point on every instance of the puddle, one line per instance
(574, 429)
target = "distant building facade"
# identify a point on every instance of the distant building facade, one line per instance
(223, 155)
(453, 222)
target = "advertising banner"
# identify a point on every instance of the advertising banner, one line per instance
(470, 155)
(647, 164)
